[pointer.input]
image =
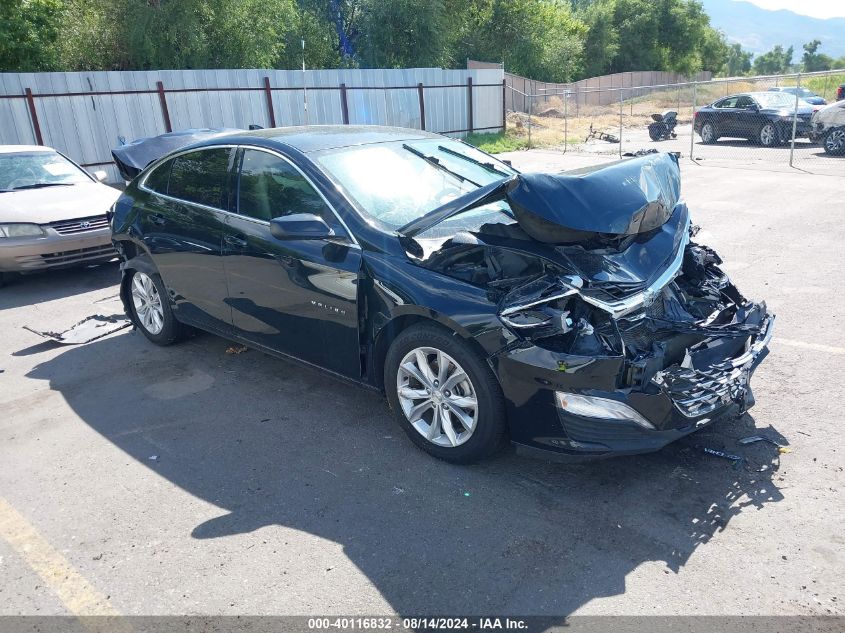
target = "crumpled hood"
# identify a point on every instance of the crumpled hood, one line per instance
(52, 204)
(624, 198)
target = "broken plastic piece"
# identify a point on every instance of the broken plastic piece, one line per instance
(723, 454)
(751, 439)
(88, 329)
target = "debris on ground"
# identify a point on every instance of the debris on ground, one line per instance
(153, 458)
(722, 454)
(751, 439)
(88, 329)
(236, 349)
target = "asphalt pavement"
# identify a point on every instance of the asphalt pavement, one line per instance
(136, 479)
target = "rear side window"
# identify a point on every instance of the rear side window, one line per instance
(200, 177)
(157, 180)
(270, 187)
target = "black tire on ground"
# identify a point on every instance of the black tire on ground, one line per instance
(489, 430)
(709, 134)
(172, 330)
(834, 141)
(768, 135)
(656, 131)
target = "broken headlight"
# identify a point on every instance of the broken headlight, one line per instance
(604, 408)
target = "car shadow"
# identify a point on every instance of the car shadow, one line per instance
(272, 443)
(40, 287)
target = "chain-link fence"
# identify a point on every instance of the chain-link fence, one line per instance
(779, 119)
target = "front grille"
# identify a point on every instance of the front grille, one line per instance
(697, 392)
(602, 431)
(79, 255)
(82, 225)
(640, 335)
(608, 291)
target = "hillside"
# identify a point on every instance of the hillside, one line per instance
(758, 30)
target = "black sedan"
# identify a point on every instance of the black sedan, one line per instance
(571, 314)
(764, 117)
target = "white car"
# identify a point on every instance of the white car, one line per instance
(52, 212)
(828, 128)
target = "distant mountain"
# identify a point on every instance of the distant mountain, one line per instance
(758, 30)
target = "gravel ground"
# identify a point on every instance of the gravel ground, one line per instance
(144, 480)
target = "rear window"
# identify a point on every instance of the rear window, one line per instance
(200, 177)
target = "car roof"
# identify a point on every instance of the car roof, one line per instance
(313, 138)
(14, 149)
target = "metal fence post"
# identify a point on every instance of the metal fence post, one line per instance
(269, 96)
(504, 105)
(36, 126)
(162, 99)
(469, 103)
(620, 121)
(421, 95)
(794, 122)
(692, 122)
(565, 120)
(344, 104)
(530, 104)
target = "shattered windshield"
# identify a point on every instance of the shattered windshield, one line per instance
(30, 170)
(396, 183)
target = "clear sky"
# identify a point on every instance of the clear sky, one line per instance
(815, 8)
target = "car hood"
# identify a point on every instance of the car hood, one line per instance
(621, 199)
(831, 114)
(802, 111)
(52, 204)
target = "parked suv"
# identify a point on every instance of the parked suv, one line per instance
(828, 128)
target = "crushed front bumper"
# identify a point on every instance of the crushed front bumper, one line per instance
(676, 401)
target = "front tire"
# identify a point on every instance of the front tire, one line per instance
(444, 396)
(768, 135)
(151, 310)
(708, 133)
(834, 141)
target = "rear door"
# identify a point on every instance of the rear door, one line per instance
(725, 114)
(299, 297)
(182, 223)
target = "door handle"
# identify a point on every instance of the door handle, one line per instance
(237, 242)
(157, 219)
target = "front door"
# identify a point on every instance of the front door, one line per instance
(299, 297)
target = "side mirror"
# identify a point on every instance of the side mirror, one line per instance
(300, 226)
(100, 175)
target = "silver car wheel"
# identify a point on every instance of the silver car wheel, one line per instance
(147, 303)
(835, 141)
(768, 135)
(437, 396)
(707, 132)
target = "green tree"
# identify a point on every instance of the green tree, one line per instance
(738, 61)
(776, 61)
(402, 33)
(812, 60)
(29, 31)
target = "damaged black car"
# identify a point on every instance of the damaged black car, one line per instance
(572, 314)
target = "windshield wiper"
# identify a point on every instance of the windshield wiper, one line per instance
(488, 166)
(39, 185)
(431, 160)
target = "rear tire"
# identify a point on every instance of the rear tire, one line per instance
(834, 141)
(452, 408)
(151, 311)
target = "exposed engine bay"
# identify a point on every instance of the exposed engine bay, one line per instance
(643, 291)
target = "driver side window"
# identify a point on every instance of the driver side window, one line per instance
(744, 102)
(270, 187)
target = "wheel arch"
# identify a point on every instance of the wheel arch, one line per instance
(140, 261)
(399, 323)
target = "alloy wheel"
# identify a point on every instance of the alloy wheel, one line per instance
(834, 142)
(147, 303)
(768, 135)
(707, 133)
(437, 396)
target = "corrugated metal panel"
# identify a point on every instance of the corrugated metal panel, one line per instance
(86, 126)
